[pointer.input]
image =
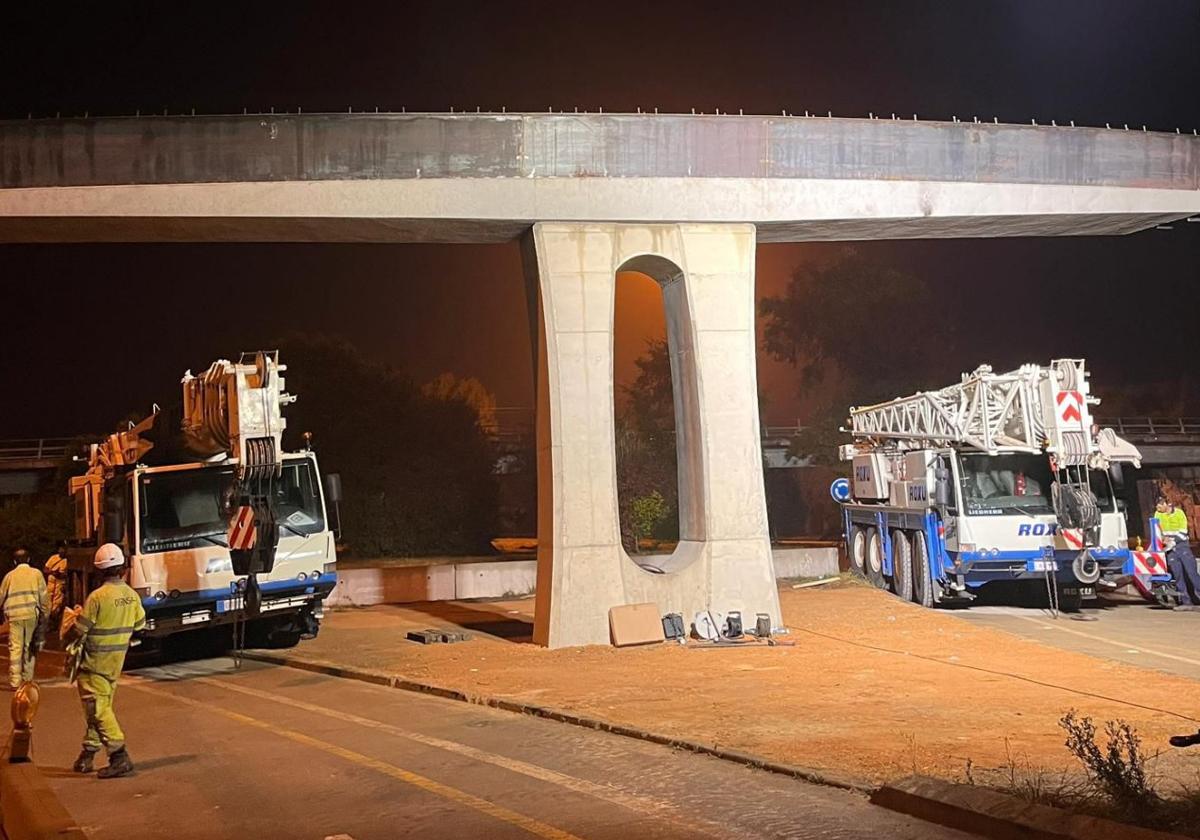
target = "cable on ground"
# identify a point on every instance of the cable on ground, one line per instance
(995, 673)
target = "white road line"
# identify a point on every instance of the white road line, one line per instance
(1120, 644)
(634, 802)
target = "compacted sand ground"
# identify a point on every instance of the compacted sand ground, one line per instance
(873, 688)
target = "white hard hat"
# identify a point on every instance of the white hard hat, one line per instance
(109, 556)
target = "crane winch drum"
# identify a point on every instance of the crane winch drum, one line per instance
(237, 409)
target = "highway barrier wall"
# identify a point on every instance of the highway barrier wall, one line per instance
(444, 579)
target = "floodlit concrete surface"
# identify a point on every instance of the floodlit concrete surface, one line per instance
(489, 177)
(872, 690)
(1137, 634)
(274, 752)
(723, 559)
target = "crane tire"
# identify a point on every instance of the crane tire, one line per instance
(874, 564)
(857, 549)
(902, 566)
(922, 576)
(1070, 603)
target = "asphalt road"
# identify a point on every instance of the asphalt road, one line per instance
(1139, 634)
(273, 752)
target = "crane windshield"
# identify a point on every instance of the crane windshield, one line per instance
(184, 509)
(995, 485)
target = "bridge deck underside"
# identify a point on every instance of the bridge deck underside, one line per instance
(49, 229)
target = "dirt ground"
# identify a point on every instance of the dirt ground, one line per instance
(873, 689)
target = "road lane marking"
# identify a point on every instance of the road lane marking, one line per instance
(638, 804)
(529, 824)
(1113, 642)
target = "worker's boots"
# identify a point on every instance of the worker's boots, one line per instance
(85, 762)
(1185, 740)
(119, 764)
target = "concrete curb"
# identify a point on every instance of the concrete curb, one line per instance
(535, 710)
(29, 810)
(990, 813)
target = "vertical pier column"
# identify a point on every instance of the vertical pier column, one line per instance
(723, 561)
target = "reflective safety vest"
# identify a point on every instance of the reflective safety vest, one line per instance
(56, 568)
(1173, 524)
(110, 616)
(23, 593)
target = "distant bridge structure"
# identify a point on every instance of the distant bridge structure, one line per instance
(1163, 442)
(26, 464)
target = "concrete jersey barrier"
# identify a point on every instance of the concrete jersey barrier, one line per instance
(450, 581)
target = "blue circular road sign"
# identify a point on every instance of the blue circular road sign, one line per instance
(840, 490)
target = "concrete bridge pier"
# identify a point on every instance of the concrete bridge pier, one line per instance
(723, 561)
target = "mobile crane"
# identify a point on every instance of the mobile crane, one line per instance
(220, 526)
(999, 478)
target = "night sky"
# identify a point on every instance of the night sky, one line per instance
(93, 332)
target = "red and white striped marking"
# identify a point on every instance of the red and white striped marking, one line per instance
(1149, 563)
(242, 532)
(1073, 537)
(1070, 406)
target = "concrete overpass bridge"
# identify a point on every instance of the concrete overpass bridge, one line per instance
(25, 464)
(683, 199)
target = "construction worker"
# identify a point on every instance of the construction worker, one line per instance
(1174, 526)
(56, 582)
(105, 626)
(23, 596)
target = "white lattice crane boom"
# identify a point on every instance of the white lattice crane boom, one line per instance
(1032, 409)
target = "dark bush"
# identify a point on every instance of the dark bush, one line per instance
(416, 468)
(35, 522)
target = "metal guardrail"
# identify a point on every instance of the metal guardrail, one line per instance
(516, 435)
(1153, 428)
(34, 449)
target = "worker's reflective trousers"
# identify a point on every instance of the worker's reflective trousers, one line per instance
(20, 650)
(1182, 564)
(57, 590)
(96, 693)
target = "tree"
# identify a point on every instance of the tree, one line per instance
(416, 466)
(646, 513)
(646, 458)
(650, 401)
(469, 390)
(36, 522)
(859, 332)
(818, 439)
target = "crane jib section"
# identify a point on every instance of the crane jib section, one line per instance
(986, 411)
(1032, 409)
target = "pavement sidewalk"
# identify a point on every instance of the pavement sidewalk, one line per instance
(874, 689)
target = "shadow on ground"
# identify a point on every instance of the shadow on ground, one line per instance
(485, 618)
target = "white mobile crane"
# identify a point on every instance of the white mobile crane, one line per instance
(1001, 477)
(219, 524)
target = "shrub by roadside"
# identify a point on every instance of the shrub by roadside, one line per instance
(1114, 782)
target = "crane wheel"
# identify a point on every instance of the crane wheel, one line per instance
(902, 566)
(922, 576)
(858, 550)
(874, 566)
